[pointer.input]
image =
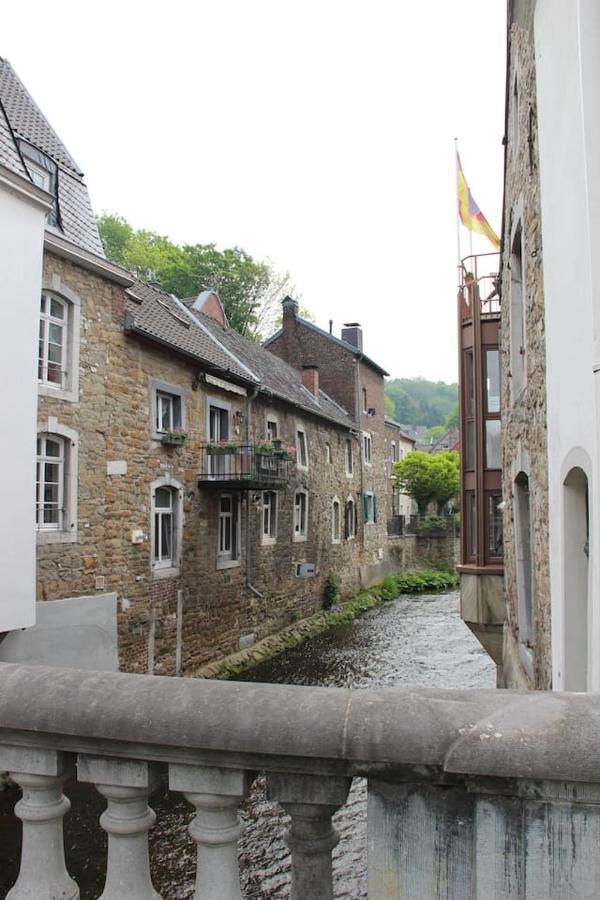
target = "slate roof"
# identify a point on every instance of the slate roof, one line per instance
(27, 123)
(276, 376)
(331, 337)
(401, 428)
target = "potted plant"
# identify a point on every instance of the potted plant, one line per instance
(265, 448)
(286, 451)
(221, 448)
(174, 438)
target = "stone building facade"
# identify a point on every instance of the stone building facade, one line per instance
(527, 660)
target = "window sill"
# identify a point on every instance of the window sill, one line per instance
(336, 541)
(268, 541)
(44, 390)
(56, 537)
(228, 563)
(349, 474)
(299, 538)
(167, 572)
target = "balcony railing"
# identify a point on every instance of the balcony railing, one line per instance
(479, 284)
(471, 794)
(243, 465)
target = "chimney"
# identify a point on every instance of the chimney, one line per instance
(352, 334)
(310, 379)
(290, 309)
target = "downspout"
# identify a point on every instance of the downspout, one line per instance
(358, 413)
(249, 401)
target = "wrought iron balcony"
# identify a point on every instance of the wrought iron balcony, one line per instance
(244, 465)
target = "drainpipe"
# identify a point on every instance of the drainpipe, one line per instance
(249, 401)
(358, 414)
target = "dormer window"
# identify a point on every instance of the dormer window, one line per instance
(43, 172)
(39, 176)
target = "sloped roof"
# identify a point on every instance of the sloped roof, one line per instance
(401, 429)
(27, 123)
(336, 340)
(276, 377)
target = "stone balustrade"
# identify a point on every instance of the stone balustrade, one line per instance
(472, 795)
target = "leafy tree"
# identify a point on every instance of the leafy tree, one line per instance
(389, 408)
(249, 289)
(421, 402)
(428, 478)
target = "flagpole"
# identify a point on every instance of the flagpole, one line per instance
(457, 216)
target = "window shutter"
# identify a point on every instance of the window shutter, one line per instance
(365, 508)
(374, 508)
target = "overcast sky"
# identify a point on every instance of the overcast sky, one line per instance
(318, 135)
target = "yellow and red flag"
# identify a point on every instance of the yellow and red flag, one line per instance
(470, 214)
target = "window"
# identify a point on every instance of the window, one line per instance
(364, 400)
(300, 515)
(56, 484)
(394, 454)
(327, 452)
(40, 177)
(492, 444)
(369, 508)
(469, 404)
(166, 526)
(269, 520)
(168, 408)
(348, 456)
(367, 448)
(53, 341)
(228, 553)
(43, 172)
(164, 522)
(335, 521)
(217, 418)
(471, 526)
(350, 521)
(301, 451)
(59, 340)
(517, 316)
(50, 482)
(272, 430)
(522, 516)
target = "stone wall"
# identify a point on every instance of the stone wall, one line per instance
(524, 442)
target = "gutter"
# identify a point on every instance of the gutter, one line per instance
(249, 403)
(96, 264)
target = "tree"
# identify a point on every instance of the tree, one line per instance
(249, 289)
(428, 478)
(421, 402)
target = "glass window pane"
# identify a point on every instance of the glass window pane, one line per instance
(52, 447)
(57, 310)
(472, 526)
(225, 504)
(162, 498)
(492, 444)
(495, 545)
(55, 333)
(492, 367)
(166, 535)
(469, 384)
(470, 454)
(157, 536)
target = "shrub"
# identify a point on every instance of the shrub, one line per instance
(389, 588)
(331, 590)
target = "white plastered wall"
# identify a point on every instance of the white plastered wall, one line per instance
(567, 42)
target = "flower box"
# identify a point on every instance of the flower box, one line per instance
(174, 438)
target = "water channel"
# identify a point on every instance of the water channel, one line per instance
(412, 641)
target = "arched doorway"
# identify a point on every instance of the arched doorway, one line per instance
(576, 571)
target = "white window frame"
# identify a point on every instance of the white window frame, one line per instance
(270, 509)
(42, 460)
(350, 502)
(367, 448)
(66, 532)
(161, 390)
(301, 441)
(271, 420)
(300, 532)
(393, 453)
(348, 457)
(162, 560)
(47, 321)
(69, 388)
(161, 569)
(225, 558)
(328, 457)
(336, 538)
(37, 172)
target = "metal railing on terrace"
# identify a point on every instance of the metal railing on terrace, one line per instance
(479, 283)
(472, 795)
(244, 464)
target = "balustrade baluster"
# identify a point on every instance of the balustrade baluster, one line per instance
(127, 819)
(311, 801)
(215, 793)
(40, 774)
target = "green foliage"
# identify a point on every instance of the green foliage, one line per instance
(428, 478)
(420, 402)
(452, 419)
(435, 432)
(331, 590)
(417, 582)
(389, 407)
(389, 588)
(248, 289)
(431, 524)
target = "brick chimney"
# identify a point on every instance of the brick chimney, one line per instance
(290, 309)
(352, 334)
(310, 379)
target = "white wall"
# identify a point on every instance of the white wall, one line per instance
(567, 42)
(22, 223)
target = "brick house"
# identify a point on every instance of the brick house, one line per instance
(169, 529)
(397, 444)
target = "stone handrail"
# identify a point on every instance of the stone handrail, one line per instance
(433, 758)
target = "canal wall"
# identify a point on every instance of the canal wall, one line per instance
(410, 551)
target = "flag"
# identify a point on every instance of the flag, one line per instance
(470, 214)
